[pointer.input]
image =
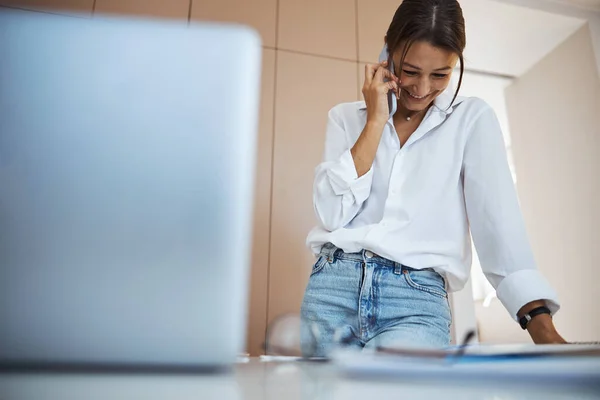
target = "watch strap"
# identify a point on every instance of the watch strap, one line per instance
(524, 320)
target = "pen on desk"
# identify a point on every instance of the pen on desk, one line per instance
(463, 347)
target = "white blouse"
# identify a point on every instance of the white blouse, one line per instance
(416, 204)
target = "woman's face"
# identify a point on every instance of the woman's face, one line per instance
(425, 74)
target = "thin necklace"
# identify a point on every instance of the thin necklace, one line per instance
(409, 117)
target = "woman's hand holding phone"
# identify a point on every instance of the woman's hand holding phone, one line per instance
(378, 82)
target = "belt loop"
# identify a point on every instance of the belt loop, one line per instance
(328, 251)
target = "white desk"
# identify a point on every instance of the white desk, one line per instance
(250, 381)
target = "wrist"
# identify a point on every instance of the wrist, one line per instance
(540, 323)
(542, 330)
(375, 125)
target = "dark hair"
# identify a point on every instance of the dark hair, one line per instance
(438, 22)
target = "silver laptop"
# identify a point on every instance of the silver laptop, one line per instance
(127, 153)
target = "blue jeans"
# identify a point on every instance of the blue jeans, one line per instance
(366, 301)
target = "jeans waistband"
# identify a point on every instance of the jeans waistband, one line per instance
(332, 252)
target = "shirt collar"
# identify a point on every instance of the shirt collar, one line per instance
(441, 103)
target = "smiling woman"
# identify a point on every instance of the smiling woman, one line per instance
(424, 73)
(426, 48)
(397, 198)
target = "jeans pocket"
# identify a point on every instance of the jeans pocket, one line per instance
(427, 281)
(319, 265)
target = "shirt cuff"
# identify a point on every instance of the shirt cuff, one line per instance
(525, 286)
(343, 178)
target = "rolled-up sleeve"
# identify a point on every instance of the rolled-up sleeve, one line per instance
(338, 191)
(496, 221)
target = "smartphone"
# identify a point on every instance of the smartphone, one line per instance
(384, 55)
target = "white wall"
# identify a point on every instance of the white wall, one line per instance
(567, 8)
(555, 126)
(595, 33)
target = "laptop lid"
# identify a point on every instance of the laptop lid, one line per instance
(127, 153)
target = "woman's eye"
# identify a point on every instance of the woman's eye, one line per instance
(409, 73)
(440, 76)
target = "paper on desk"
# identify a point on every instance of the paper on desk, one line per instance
(497, 352)
(563, 370)
(529, 350)
(267, 358)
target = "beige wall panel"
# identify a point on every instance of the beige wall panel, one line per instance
(259, 14)
(374, 17)
(58, 6)
(307, 87)
(154, 8)
(257, 317)
(361, 79)
(320, 27)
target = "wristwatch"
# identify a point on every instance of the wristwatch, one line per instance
(524, 320)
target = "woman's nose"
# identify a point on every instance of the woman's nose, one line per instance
(423, 87)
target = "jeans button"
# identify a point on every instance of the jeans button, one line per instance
(368, 254)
